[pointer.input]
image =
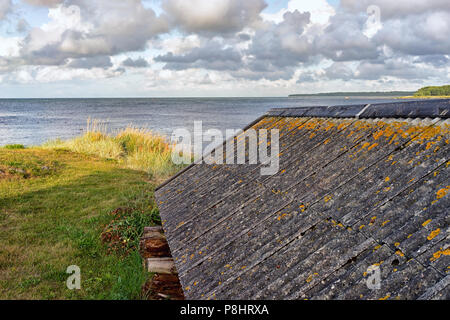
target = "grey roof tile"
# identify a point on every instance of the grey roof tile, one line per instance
(353, 190)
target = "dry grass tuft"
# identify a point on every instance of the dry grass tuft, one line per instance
(135, 148)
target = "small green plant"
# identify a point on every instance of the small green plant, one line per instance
(14, 146)
(123, 233)
(131, 277)
(16, 165)
(87, 244)
(29, 282)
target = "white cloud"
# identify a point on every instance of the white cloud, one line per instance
(5, 7)
(44, 3)
(53, 74)
(101, 27)
(179, 45)
(135, 63)
(213, 16)
(10, 46)
(396, 9)
(421, 34)
(225, 46)
(320, 10)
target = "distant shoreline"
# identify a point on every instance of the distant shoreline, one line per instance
(378, 94)
(424, 97)
(433, 92)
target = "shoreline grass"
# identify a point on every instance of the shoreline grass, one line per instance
(133, 148)
(59, 205)
(424, 97)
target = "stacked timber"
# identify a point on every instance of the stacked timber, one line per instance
(158, 260)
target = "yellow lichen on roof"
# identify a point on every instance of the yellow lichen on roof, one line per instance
(442, 192)
(434, 234)
(440, 253)
(426, 222)
(369, 137)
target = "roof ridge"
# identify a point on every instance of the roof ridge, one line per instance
(362, 111)
(433, 108)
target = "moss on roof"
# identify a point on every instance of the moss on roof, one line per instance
(351, 192)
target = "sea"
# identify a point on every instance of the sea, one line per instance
(32, 122)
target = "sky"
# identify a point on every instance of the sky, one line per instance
(192, 48)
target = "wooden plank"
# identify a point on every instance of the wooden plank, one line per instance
(154, 247)
(153, 229)
(161, 265)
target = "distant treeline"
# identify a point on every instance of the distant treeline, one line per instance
(357, 94)
(433, 91)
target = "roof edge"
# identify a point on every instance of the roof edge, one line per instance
(434, 108)
(201, 160)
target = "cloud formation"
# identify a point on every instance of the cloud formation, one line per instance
(5, 6)
(103, 62)
(91, 28)
(44, 3)
(278, 47)
(211, 56)
(229, 43)
(136, 63)
(396, 9)
(213, 17)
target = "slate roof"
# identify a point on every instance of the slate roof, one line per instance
(357, 186)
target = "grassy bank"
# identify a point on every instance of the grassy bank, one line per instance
(82, 202)
(133, 148)
(425, 97)
(431, 92)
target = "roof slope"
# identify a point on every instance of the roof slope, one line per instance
(357, 186)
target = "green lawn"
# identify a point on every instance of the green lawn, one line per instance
(54, 207)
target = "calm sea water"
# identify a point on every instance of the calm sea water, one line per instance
(34, 121)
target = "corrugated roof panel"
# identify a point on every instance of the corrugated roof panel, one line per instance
(349, 193)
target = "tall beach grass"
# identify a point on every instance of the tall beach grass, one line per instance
(134, 148)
